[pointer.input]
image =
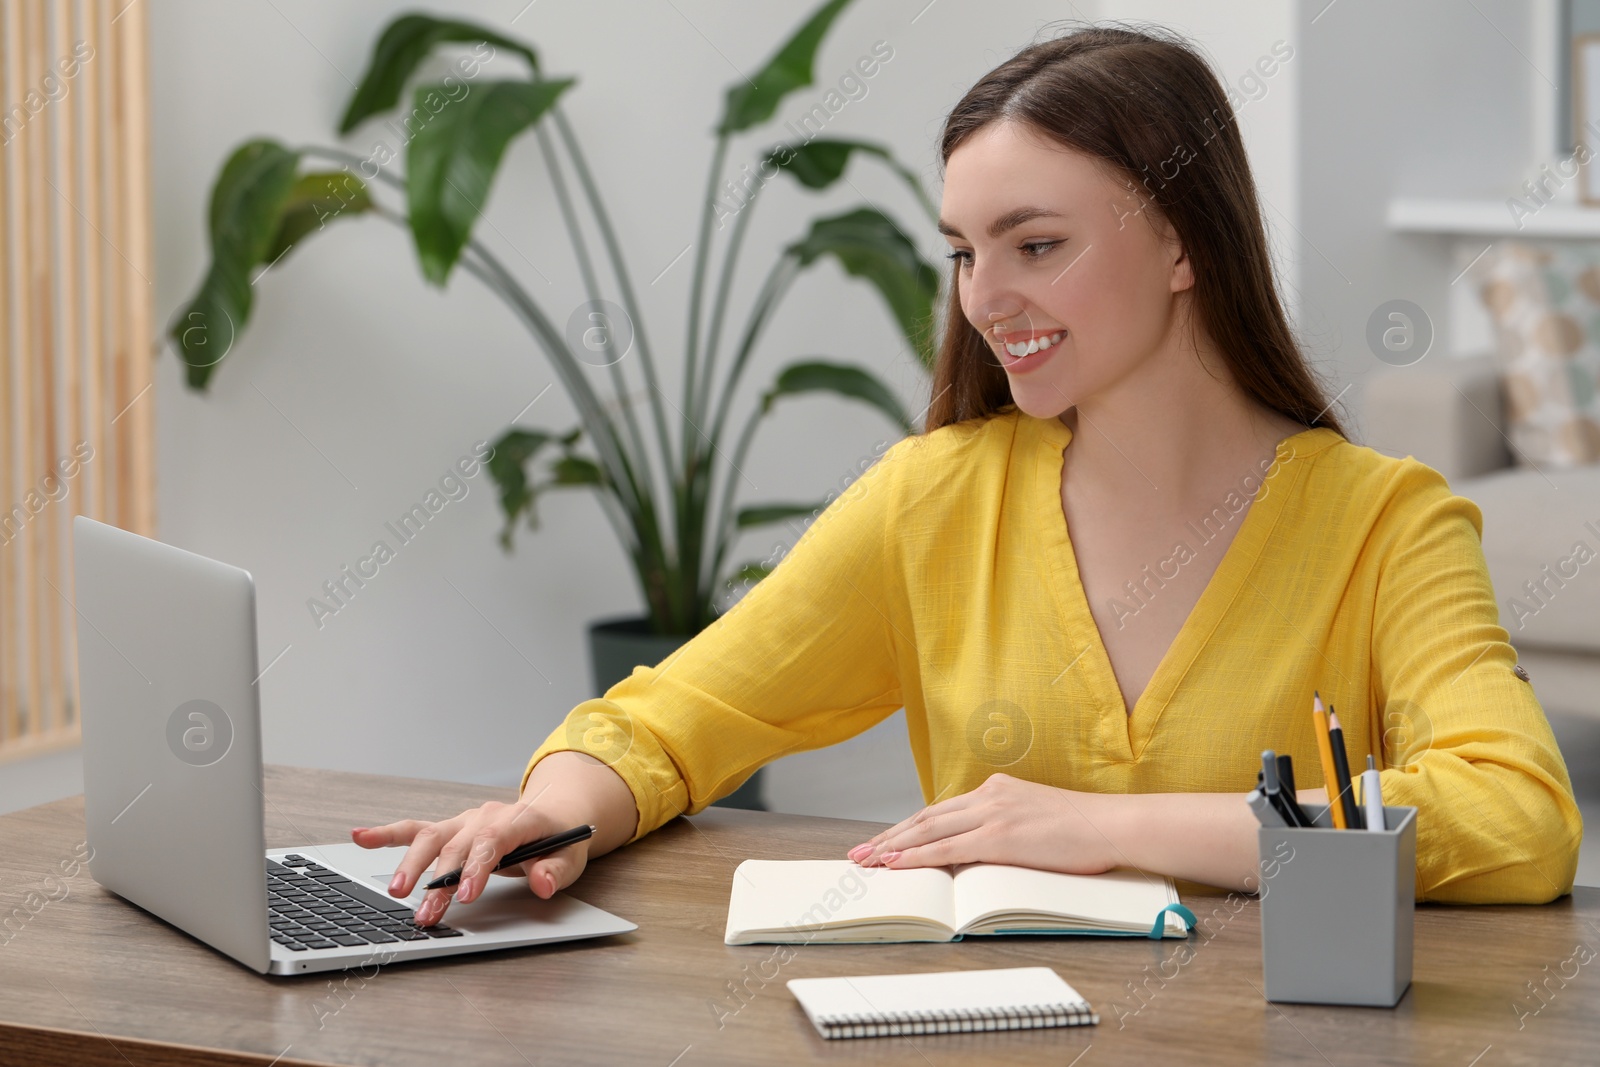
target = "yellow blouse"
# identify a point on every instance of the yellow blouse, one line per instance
(943, 581)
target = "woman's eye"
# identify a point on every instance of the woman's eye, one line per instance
(1038, 248)
(962, 257)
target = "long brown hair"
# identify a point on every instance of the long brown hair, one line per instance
(1128, 97)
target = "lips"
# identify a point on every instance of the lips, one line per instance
(1029, 344)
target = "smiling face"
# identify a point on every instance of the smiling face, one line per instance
(1056, 255)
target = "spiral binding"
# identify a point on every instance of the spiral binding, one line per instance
(960, 1021)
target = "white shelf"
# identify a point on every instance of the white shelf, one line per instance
(1490, 218)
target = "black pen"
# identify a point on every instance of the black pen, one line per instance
(1286, 790)
(521, 853)
(1269, 786)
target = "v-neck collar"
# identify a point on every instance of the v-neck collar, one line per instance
(1126, 733)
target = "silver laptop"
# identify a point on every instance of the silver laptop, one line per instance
(167, 677)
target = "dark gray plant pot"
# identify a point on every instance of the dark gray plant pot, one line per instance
(617, 646)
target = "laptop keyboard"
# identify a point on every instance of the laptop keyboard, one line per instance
(309, 906)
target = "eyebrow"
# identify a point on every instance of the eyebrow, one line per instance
(1009, 221)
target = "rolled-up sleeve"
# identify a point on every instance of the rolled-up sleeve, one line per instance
(1465, 738)
(807, 658)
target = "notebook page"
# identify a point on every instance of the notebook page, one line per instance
(933, 993)
(1118, 896)
(777, 894)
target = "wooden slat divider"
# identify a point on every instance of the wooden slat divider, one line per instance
(9, 356)
(77, 331)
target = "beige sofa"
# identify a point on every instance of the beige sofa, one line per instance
(1449, 413)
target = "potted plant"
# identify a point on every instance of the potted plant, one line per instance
(269, 198)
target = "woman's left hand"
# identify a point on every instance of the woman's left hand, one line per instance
(1004, 820)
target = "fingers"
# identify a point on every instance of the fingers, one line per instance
(931, 826)
(875, 845)
(395, 833)
(489, 833)
(943, 852)
(508, 828)
(455, 854)
(426, 839)
(547, 875)
(474, 843)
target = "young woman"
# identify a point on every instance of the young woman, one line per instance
(1130, 545)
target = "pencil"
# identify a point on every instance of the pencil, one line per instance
(1330, 776)
(1341, 767)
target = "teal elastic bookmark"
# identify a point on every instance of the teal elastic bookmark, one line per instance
(1190, 922)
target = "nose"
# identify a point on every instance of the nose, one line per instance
(995, 316)
(994, 307)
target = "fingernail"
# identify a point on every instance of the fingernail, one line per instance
(860, 850)
(890, 857)
(397, 883)
(360, 829)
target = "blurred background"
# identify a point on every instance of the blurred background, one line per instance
(1418, 172)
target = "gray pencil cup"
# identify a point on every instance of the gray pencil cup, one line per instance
(1336, 911)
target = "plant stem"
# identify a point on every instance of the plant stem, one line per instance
(590, 410)
(719, 308)
(722, 536)
(643, 515)
(678, 614)
(624, 283)
(591, 285)
(701, 255)
(715, 542)
(638, 537)
(772, 289)
(643, 542)
(471, 265)
(689, 509)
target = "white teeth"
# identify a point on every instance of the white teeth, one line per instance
(1038, 344)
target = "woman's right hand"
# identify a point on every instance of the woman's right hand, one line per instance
(565, 789)
(474, 841)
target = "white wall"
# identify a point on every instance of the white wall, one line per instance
(390, 381)
(354, 371)
(1418, 99)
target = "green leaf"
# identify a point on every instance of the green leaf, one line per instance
(753, 102)
(841, 378)
(750, 572)
(514, 449)
(518, 494)
(575, 470)
(451, 161)
(314, 200)
(869, 245)
(247, 202)
(403, 45)
(820, 162)
(763, 514)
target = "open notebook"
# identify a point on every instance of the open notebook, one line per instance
(839, 900)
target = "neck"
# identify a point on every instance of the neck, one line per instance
(1170, 433)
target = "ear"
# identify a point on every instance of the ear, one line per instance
(1182, 266)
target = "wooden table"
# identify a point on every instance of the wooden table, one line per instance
(89, 979)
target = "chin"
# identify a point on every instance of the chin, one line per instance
(1039, 400)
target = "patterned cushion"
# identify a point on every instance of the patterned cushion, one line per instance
(1544, 298)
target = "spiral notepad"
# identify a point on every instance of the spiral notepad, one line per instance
(943, 1002)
